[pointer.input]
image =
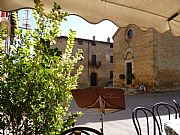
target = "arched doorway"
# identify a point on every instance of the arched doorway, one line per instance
(129, 66)
(93, 79)
(129, 73)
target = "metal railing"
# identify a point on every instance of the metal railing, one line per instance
(95, 64)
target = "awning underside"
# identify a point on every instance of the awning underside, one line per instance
(145, 14)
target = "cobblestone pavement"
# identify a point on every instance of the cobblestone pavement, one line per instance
(120, 123)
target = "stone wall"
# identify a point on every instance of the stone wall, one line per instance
(167, 61)
(102, 51)
(154, 57)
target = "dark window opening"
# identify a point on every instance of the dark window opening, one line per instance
(111, 59)
(80, 42)
(129, 73)
(93, 43)
(130, 34)
(93, 79)
(111, 45)
(111, 74)
(93, 59)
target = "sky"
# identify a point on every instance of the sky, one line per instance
(83, 29)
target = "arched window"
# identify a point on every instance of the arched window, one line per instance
(129, 55)
(93, 79)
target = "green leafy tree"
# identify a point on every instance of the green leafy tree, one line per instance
(36, 84)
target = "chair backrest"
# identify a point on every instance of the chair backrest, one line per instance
(177, 106)
(81, 131)
(162, 108)
(147, 123)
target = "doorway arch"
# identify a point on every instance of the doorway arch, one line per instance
(128, 57)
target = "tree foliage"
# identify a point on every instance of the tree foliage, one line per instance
(35, 89)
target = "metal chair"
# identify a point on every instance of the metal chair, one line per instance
(150, 119)
(177, 106)
(81, 131)
(160, 109)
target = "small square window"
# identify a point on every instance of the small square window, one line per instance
(93, 43)
(93, 59)
(111, 45)
(111, 59)
(80, 42)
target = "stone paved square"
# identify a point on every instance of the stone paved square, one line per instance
(120, 123)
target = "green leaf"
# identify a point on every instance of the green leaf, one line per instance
(36, 84)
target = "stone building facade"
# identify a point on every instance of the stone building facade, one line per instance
(146, 57)
(97, 62)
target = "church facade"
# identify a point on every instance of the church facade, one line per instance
(146, 57)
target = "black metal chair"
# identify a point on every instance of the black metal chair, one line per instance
(140, 112)
(162, 108)
(81, 131)
(177, 106)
